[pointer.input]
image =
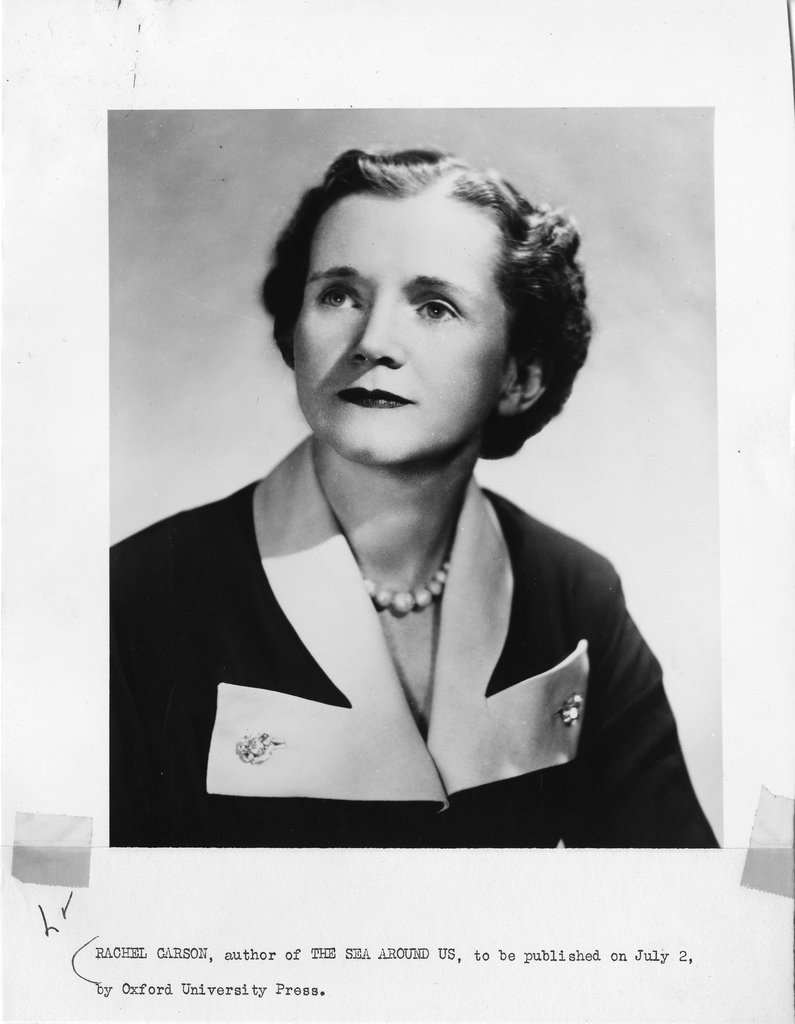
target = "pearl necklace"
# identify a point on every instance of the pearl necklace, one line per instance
(404, 601)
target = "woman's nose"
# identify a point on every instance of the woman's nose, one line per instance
(378, 340)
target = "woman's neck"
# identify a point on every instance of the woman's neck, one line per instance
(399, 521)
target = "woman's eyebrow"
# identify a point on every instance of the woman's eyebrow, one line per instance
(441, 285)
(333, 272)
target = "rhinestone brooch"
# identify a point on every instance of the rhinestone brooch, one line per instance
(570, 709)
(256, 749)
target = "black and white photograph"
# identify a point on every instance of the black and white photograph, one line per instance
(398, 511)
(366, 648)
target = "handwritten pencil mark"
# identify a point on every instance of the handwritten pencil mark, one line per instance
(73, 962)
(47, 927)
(64, 909)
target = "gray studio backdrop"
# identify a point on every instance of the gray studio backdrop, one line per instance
(201, 403)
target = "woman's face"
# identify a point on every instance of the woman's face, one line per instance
(401, 345)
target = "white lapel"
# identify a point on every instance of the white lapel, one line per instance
(372, 751)
(475, 740)
(522, 729)
(476, 610)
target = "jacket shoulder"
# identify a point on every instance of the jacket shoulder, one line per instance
(200, 536)
(543, 550)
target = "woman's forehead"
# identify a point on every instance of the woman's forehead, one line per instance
(430, 234)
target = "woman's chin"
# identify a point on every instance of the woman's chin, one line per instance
(369, 452)
(392, 451)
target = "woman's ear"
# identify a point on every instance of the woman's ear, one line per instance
(524, 385)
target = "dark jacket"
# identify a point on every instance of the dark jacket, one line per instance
(191, 606)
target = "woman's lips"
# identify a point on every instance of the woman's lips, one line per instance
(372, 399)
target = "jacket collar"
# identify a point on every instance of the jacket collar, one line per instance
(317, 582)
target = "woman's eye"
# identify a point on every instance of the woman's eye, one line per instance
(334, 297)
(437, 310)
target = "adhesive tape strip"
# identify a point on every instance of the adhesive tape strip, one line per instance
(770, 863)
(52, 849)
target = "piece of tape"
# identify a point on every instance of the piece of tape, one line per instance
(52, 849)
(770, 861)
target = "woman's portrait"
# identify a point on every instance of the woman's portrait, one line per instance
(409, 407)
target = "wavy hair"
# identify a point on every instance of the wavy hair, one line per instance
(539, 275)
